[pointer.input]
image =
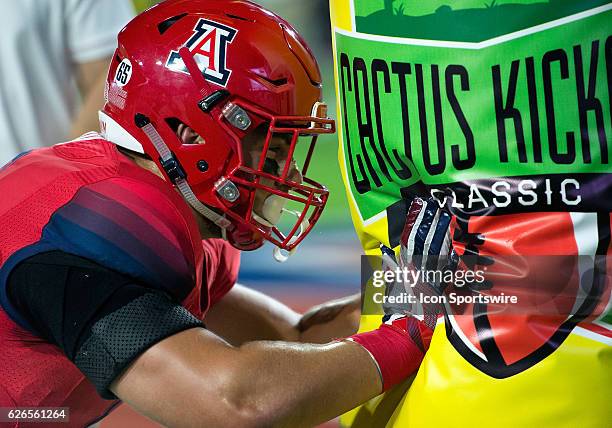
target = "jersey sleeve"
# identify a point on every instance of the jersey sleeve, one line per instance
(222, 262)
(101, 319)
(92, 27)
(129, 227)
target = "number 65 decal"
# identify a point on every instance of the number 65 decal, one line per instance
(124, 72)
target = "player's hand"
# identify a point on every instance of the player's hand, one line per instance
(425, 245)
(425, 242)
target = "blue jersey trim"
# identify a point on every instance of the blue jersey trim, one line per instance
(12, 161)
(5, 271)
(64, 235)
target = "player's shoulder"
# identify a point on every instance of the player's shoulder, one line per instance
(77, 162)
(41, 180)
(84, 165)
(98, 204)
(89, 145)
(132, 226)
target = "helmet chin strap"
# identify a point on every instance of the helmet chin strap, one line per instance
(178, 177)
(211, 215)
(281, 255)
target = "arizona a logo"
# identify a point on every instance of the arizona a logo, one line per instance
(209, 48)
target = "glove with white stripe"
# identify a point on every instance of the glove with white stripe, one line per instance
(425, 245)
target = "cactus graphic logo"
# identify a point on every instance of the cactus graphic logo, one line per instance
(463, 20)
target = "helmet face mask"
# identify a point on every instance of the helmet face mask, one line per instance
(271, 93)
(305, 193)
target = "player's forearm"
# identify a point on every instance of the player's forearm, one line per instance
(331, 320)
(194, 379)
(297, 385)
(254, 315)
(262, 384)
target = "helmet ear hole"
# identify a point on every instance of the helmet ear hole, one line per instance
(184, 132)
(173, 123)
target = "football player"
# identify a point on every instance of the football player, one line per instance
(119, 252)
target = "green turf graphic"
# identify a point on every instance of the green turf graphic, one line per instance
(465, 21)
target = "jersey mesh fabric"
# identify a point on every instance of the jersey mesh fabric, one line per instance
(118, 338)
(21, 193)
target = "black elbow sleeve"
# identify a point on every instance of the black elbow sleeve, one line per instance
(101, 319)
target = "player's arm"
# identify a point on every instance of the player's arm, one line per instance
(257, 316)
(138, 343)
(194, 378)
(91, 29)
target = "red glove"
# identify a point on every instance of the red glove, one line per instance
(397, 346)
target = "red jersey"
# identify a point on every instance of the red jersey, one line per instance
(87, 199)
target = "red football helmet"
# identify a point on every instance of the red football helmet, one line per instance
(224, 69)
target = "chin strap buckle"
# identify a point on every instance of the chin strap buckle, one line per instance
(173, 169)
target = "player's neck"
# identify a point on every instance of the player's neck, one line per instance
(207, 228)
(142, 161)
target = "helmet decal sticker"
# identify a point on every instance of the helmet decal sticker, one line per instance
(208, 45)
(123, 73)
